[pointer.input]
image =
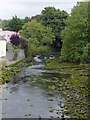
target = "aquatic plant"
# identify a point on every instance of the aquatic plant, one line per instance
(73, 88)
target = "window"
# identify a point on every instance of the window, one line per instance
(8, 36)
(4, 36)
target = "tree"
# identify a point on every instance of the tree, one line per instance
(55, 19)
(22, 43)
(5, 24)
(36, 17)
(37, 35)
(26, 20)
(15, 39)
(0, 23)
(15, 24)
(75, 34)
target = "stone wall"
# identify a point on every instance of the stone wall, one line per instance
(15, 55)
(20, 54)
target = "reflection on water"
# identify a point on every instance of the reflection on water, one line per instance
(35, 94)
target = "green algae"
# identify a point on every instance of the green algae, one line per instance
(31, 105)
(4, 113)
(52, 87)
(29, 114)
(28, 99)
(13, 69)
(74, 88)
(6, 99)
(7, 73)
(50, 99)
(51, 110)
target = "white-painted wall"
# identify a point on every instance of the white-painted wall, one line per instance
(2, 48)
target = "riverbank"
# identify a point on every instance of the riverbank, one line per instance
(13, 68)
(7, 70)
(68, 80)
(74, 89)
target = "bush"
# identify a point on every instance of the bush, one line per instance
(86, 54)
(20, 43)
(43, 49)
(15, 39)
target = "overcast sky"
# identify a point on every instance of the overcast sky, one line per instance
(23, 8)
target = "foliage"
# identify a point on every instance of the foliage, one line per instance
(26, 19)
(43, 49)
(86, 54)
(55, 19)
(22, 43)
(7, 73)
(0, 23)
(15, 39)
(5, 24)
(15, 24)
(72, 84)
(75, 34)
(36, 17)
(12, 70)
(18, 23)
(31, 49)
(37, 35)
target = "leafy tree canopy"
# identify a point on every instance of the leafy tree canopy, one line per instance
(37, 34)
(75, 34)
(55, 19)
(4, 24)
(0, 23)
(15, 24)
(36, 17)
(26, 20)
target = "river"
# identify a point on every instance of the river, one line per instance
(30, 97)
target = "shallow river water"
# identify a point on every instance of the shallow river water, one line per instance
(30, 97)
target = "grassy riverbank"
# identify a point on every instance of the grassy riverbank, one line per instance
(3, 63)
(13, 69)
(74, 89)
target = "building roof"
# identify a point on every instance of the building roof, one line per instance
(2, 38)
(7, 34)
